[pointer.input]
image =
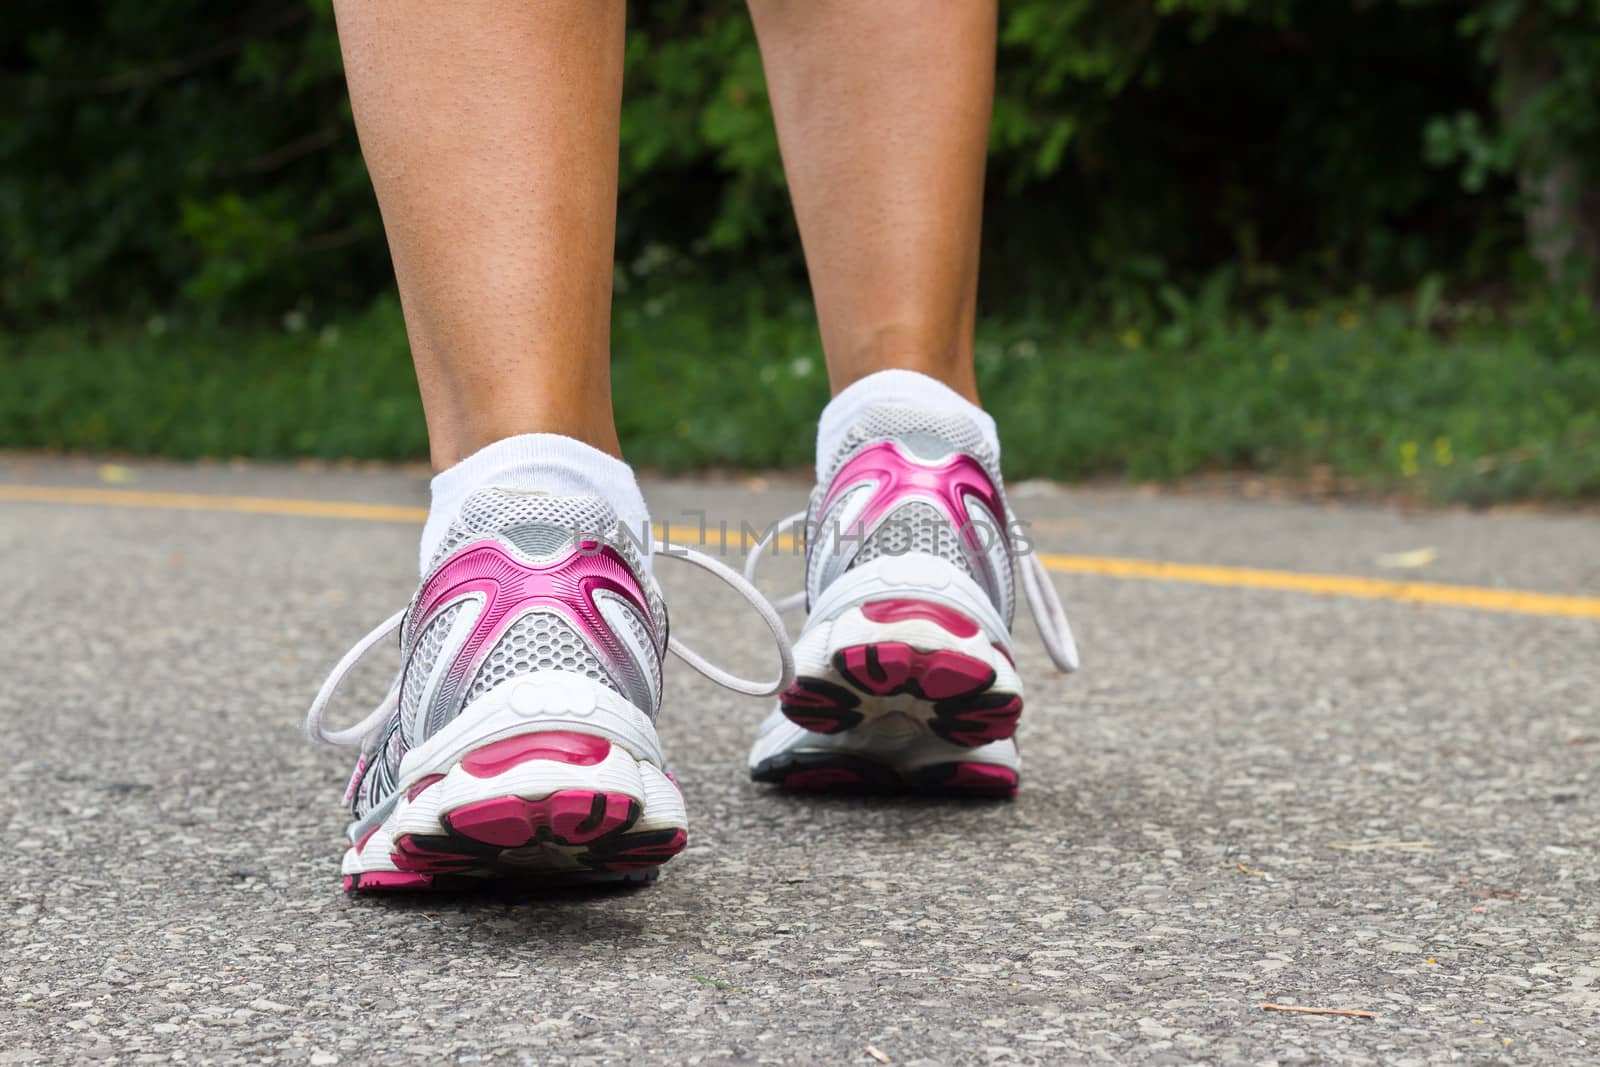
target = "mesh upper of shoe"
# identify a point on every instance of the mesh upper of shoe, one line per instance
(426, 652)
(543, 641)
(914, 526)
(536, 527)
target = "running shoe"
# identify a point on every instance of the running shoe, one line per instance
(905, 673)
(518, 740)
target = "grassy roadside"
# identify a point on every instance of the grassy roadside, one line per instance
(1499, 408)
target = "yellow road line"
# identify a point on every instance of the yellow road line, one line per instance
(1478, 598)
(249, 505)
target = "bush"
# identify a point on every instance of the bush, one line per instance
(1446, 399)
(172, 152)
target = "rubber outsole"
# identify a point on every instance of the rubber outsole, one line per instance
(564, 836)
(837, 772)
(401, 882)
(954, 692)
(478, 845)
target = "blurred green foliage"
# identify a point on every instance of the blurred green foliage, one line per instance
(173, 154)
(1446, 399)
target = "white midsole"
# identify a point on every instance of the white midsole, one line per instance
(533, 703)
(839, 620)
(905, 753)
(534, 779)
(917, 575)
(814, 651)
(546, 700)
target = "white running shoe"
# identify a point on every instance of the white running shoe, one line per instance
(519, 738)
(905, 671)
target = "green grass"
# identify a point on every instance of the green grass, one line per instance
(1497, 407)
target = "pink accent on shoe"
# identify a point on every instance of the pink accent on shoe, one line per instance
(897, 476)
(947, 674)
(361, 844)
(979, 726)
(571, 817)
(903, 610)
(582, 750)
(998, 647)
(820, 706)
(422, 785)
(355, 780)
(892, 666)
(880, 669)
(797, 697)
(965, 709)
(510, 587)
(821, 779)
(652, 854)
(410, 856)
(387, 880)
(983, 778)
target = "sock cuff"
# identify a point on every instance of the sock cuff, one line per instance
(906, 387)
(546, 462)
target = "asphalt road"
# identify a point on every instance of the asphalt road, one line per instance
(1247, 796)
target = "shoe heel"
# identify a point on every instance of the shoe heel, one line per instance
(953, 690)
(541, 804)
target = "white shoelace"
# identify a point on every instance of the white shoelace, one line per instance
(367, 729)
(1044, 604)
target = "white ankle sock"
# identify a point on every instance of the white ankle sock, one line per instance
(547, 462)
(893, 387)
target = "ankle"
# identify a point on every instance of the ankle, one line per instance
(453, 440)
(927, 350)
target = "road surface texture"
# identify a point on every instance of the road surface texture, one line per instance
(1247, 796)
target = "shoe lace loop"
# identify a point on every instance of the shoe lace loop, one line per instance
(1044, 603)
(364, 734)
(1049, 616)
(753, 596)
(793, 600)
(358, 735)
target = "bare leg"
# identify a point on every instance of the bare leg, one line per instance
(883, 118)
(490, 129)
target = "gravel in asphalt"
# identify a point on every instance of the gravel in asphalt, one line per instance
(1245, 796)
